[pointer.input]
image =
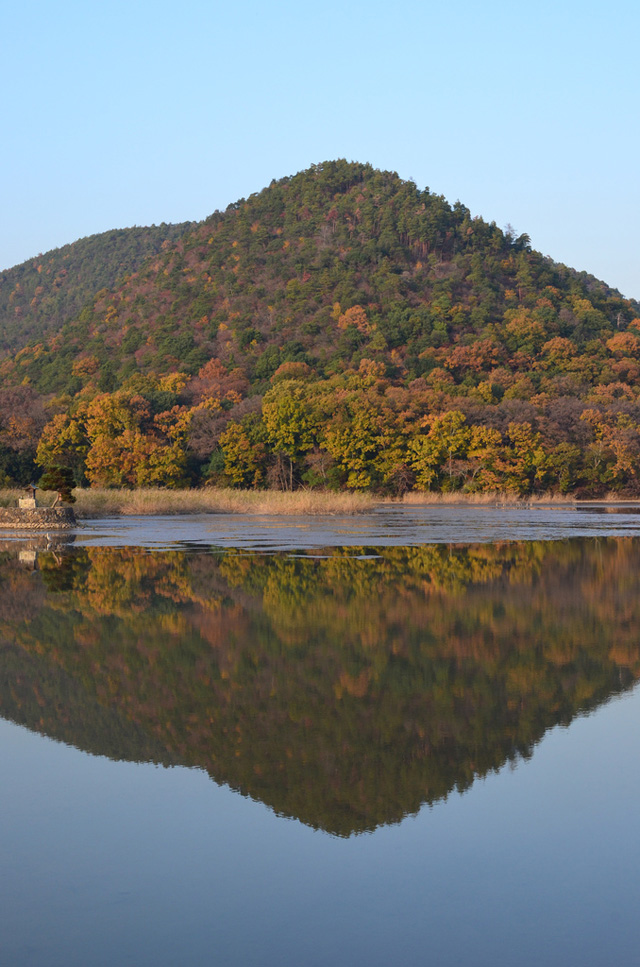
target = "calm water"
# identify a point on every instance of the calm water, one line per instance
(387, 526)
(345, 743)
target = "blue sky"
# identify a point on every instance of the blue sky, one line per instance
(141, 112)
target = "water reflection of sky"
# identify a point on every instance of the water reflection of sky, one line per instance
(112, 863)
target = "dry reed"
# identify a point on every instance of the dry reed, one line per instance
(94, 502)
(495, 498)
(107, 503)
(9, 498)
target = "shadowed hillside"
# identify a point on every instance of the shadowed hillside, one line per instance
(39, 296)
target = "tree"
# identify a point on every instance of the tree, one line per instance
(244, 452)
(355, 440)
(355, 316)
(289, 423)
(523, 461)
(482, 454)
(64, 443)
(444, 444)
(61, 480)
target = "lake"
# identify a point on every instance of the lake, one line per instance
(410, 737)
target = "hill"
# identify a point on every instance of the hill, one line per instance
(40, 295)
(343, 328)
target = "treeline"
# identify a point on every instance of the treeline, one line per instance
(341, 329)
(357, 430)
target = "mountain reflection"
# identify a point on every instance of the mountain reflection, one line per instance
(344, 690)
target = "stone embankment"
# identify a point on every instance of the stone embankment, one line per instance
(37, 518)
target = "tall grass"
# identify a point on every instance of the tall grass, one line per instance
(9, 498)
(155, 500)
(107, 503)
(416, 498)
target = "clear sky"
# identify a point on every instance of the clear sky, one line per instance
(138, 112)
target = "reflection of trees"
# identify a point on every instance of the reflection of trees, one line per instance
(343, 690)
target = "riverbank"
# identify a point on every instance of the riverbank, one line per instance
(96, 503)
(37, 518)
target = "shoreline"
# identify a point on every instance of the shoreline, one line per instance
(99, 504)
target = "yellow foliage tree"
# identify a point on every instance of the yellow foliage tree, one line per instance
(355, 316)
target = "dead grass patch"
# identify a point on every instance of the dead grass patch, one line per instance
(9, 498)
(155, 500)
(417, 498)
(108, 503)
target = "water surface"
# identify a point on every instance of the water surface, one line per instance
(387, 525)
(353, 753)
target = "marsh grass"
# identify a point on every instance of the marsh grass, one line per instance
(417, 498)
(107, 503)
(9, 498)
(92, 503)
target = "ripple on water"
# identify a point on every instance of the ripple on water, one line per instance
(384, 527)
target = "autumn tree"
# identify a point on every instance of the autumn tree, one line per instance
(289, 424)
(356, 439)
(64, 442)
(244, 452)
(433, 454)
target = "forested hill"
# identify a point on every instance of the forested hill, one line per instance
(40, 295)
(337, 263)
(342, 328)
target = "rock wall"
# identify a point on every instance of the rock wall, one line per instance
(38, 519)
